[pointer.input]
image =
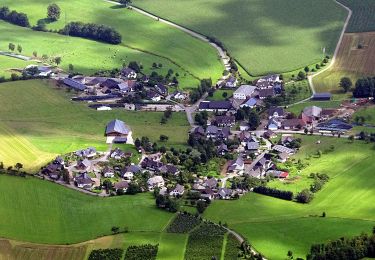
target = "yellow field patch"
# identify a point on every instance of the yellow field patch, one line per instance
(15, 148)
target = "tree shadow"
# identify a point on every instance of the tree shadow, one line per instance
(46, 20)
(118, 6)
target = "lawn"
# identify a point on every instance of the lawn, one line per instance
(44, 122)
(368, 113)
(137, 30)
(86, 56)
(218, 94)
(52, 214)
(263, 36)
(274, 226)
(7, 63)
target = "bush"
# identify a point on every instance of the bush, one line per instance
(183, 223)
(109, 254)
(144, 252)
(305, 196)
(92, 31)
(285, 195)
(14, 17)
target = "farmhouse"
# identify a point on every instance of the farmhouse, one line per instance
(218, 106)
(128, 73)
(155, 182)
(251, 102)
(231, 82)
(276, 112)
(283, 149)
(74, 84)
(118, 132)
(83, 181)
(293, 124)
(177, 191)
(122, 185)
(225, 121)
(244, 92)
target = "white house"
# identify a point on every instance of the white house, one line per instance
(155, 182)
(244, 92)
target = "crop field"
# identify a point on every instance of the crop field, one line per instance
(86, 56)
(355, 59)
(52, 214)
(263, 36)
(363, 18)
(137, 30)
(36, 126)
(274, 226)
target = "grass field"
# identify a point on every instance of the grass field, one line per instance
(368, 113)
(363, 18)
(7, 63)
(351, 61)
(86, 56)
(38, 121)
(138, 31)
(52, 214)
(274, 226)
(263, 36)
(297, 109)
(218, 94)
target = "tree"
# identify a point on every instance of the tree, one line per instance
(71, 67)
(301, 75)
(290, 254)
(134, 66)
(351, 138)
(18, 166)
(35, 54)
(115, 230)
(19, 48)
(125, 2)
(346, 84)
(306, 69)
(305, 196)
(53, 12)
(225, 94)
(11, 46)
(57, 60)
(201, 206)
(254, 120)
(163, 138)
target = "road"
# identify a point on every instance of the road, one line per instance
(222, 54)
(310, 78)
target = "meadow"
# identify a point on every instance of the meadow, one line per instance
(86, 56)
(137, 31)
(7, 64)
(274, 226)
(355, 59)
(363, 18)
(38, 121)
(263, 36)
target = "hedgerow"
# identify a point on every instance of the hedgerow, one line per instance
(285, 195)
(142, 252)
(183, 223)
(106, 254)
(205, 242)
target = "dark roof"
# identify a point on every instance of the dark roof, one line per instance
(161, 89)
(117, 126)
(220, 104)
(121, 185)
(111, 83)
(74, 84)
(279, 110)
(211, 183)
(132, 168)
(322, 95)
(295, 122)
(269, 92)
(334, 125)
(225, 120)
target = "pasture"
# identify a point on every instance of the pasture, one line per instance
(7, 64)
(363, 18)
(274, 226)
(355, 59)
(137, 31)
(86, 56)
(38, 121)
(263, 36)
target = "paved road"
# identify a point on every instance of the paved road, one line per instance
(222, 54)
(310, 78)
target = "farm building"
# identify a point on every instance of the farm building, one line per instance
(334, 125)
(322, 96)
(74, 84)
(244, 92)
(118, 132)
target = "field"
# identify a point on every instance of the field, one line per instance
(274, 226)
(368, 113)
(7, 63)
(351, 62)
(218, 94)
(138, 31)
(86, 56)
(38, 121)
(263, 36)
(298, 108)
(363, 18)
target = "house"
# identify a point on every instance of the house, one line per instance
(215, 106)
(74, 84)
(53, 170)
(276, 112)
(222, 149)
(231, 82)
(95, 81)
(126, 86)
(208, 194)
(168, 169)
(177, 191)
(323, 96)
(268, 81)
(151, 95)
(108, 172)
(273, 124)
(256, 172)
(244, 126)
(277, 88)
(59, 161)
(128, 73)
(198, 132)
(252, 147)
(161, 89)
(41, 71)
(155, 182)
(237, 166)
(283, 157)
(129, 171)
(251, 103)
(117, 132)
(269, 134)
(225, 193)
(265, 93)
(117, 154)
(225, 121)
(277, 174)
(83, 181)
(210, 183)
(293, 124)
(223, 134)
(178, 95)
(151, 165)
(111, 83)
(83, 165)
(311, 114)
(121, 185)
(283, 149)
(86, 153)
(244, 92)
(212, 131)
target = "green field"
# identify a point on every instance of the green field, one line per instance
(7, 63)
(218, 94)
(363, 18)
(86, 56)
(138, 31)
(38, 121)
(368, 113)
(298, 108)
(52, 214)
(263, 36)
(274, 226)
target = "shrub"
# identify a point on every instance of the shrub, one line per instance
(305, 196)
(285, 195)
